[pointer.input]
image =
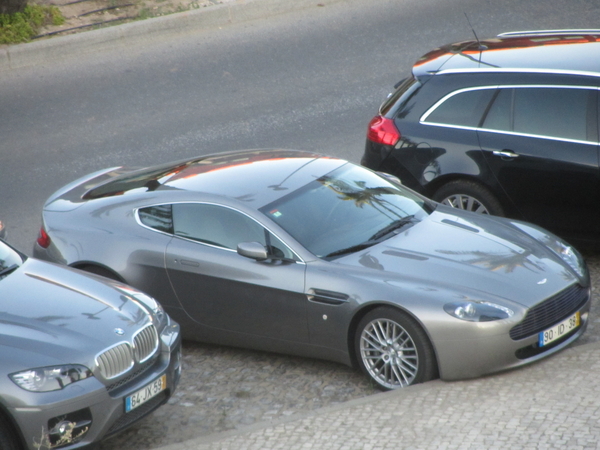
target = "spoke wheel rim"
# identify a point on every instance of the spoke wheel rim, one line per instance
(389, 353)
(466, 202)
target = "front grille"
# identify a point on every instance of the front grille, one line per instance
(132, 377)
(115, 361)
(550, 312)
(146, 343)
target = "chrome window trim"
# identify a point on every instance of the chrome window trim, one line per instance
(512, 133)
(422, 120)
(138, 220)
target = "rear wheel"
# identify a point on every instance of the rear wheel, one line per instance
(393, 350)
(470, 196)
(97, 270)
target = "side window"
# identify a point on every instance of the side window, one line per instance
(552, 112)
(462, 109)
(223, 227)
(157, 217)
(566, 113)
(499, 117)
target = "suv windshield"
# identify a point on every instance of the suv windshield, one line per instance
(9, 260)
(346, 210)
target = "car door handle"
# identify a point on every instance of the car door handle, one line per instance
(505, 154)
(187, 262)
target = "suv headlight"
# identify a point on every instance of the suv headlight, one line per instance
(45, 379)
(478, 311)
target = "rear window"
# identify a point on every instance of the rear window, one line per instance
(404, 92)
(148, 179)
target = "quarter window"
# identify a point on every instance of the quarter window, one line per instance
(157, 217)
(462, 109)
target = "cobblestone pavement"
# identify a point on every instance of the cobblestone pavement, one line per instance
(226, 389)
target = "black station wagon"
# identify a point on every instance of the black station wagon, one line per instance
(505, 126)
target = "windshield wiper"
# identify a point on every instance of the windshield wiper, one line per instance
(394, 226)
(354, 248)
(8, 270)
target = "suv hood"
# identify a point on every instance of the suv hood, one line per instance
(62, 315)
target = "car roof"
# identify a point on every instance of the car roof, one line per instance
(254, 177)
(563, 51)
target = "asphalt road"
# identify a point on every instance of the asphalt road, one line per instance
(308, 80)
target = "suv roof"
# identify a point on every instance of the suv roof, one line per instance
(565, 51)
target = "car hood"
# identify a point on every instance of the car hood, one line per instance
(478, 256)
(63, 317)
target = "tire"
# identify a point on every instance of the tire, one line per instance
(393, 350)
(470, 196)
(8, 437)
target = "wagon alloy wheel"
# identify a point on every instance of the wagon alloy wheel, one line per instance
(466, 202)
(470, 196)
(393, 350)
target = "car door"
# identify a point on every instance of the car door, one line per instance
(541, 143)
(227, 292)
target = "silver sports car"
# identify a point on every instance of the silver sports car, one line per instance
(299, 253)
(82, 357)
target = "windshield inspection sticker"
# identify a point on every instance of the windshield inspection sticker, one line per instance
(275, 213)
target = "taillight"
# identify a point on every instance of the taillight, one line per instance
(383, 131)
(43, 239)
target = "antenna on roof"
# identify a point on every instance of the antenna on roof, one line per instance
(480, 45)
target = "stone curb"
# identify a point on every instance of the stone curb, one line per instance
(400, 395)
(229, 12)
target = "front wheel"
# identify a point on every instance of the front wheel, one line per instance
(393, 350)
(8, 436)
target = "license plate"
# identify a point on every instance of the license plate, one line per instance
(146, 393)
(558, 331)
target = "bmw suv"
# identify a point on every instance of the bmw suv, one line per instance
(505, 126)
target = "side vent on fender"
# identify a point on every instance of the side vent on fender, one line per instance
(327, 297)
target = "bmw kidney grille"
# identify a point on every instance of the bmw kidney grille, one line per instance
(118, 359)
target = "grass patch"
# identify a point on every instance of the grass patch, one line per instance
(23, 26)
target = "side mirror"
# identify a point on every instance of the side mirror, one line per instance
(253, 250)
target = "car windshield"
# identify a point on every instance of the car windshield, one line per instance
(346, 211)
(10, 260)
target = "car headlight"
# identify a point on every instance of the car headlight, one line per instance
(568, 255)
(563, 250)
(478, 311)
(148, 302)
(45, 379)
